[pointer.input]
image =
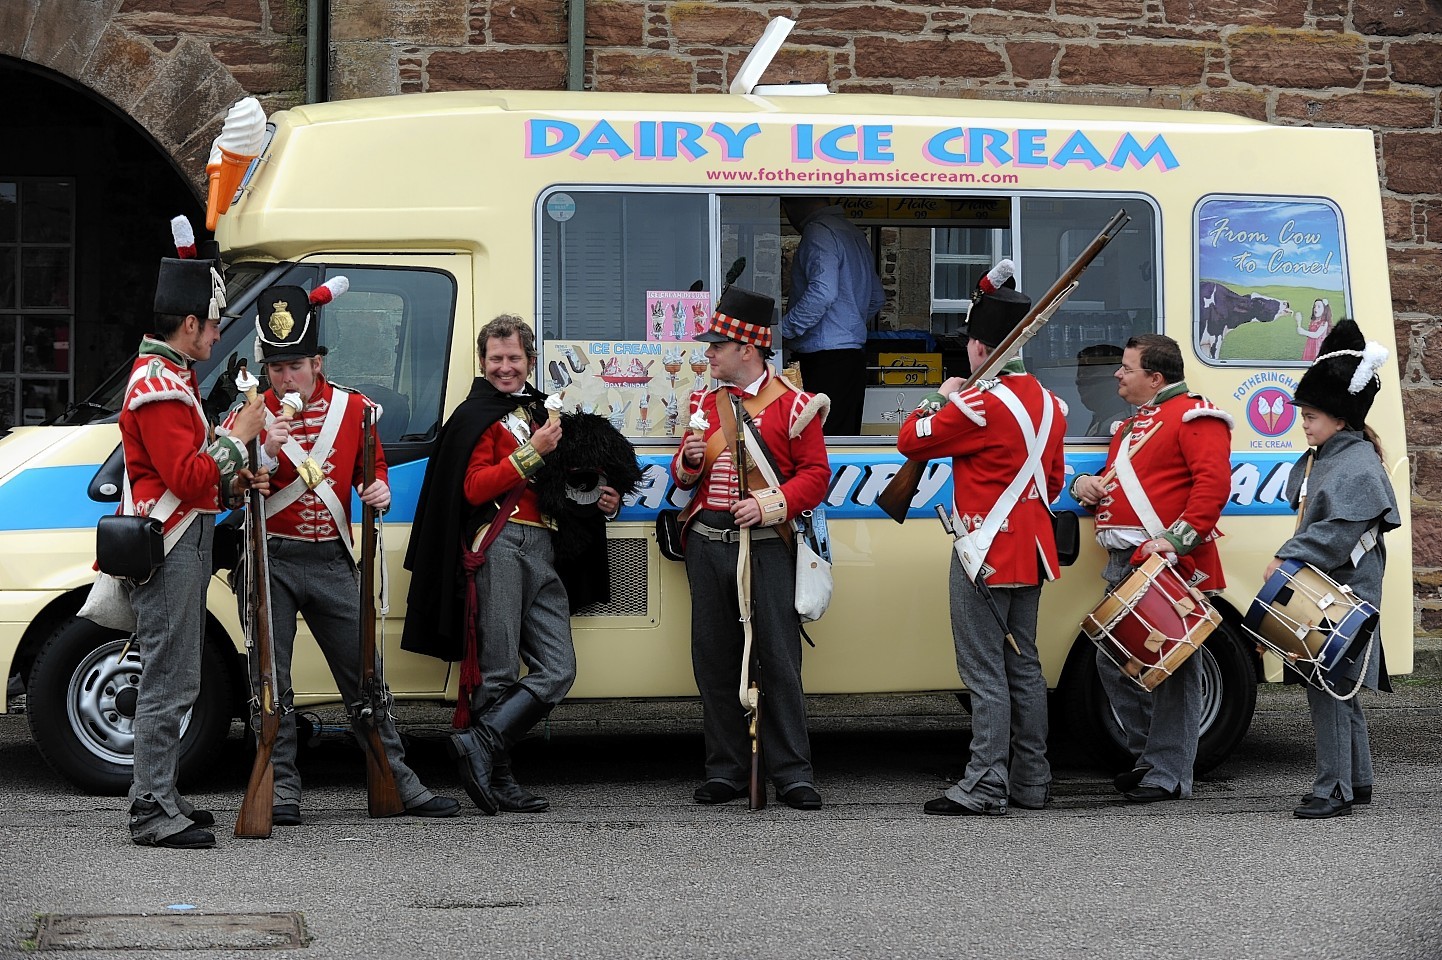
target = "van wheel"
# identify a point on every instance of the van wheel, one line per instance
(81, 696)
(1229, 698)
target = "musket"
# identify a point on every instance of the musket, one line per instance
(254, 819)
(369, 710)
(895, 499)
(750, 691)
(982, 587)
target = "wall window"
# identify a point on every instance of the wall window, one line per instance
(37, 283)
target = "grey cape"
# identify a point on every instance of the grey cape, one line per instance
(1347, 492)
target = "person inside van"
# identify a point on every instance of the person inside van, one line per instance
(178, 473)
(1347, 504)
(312, 449)
(1164, 498)
(835, 292)
(1096, 385)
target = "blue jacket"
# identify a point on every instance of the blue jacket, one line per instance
(834, 287)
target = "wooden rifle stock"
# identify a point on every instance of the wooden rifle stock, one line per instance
(254, 819)
(895, 499)
(383, 799)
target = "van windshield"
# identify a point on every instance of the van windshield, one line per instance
(242, 281)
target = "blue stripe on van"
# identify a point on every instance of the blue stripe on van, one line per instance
(49, 498)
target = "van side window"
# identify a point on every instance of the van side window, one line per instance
(387, 337)
(1079, 349)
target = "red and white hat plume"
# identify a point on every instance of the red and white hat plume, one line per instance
(328, 291)
(997, 276)
(184, 236)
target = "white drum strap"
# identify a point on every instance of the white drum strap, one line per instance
(1368, 541)
(1031, 472)
(319, 450)
(1136, 496)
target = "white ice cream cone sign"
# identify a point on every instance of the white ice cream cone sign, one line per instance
(241, 138)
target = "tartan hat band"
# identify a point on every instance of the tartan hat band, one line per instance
(726, 327)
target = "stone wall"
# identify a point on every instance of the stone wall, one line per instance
(175, 65)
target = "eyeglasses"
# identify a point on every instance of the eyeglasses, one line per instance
(1130, 370)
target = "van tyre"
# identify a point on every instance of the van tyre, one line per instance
(81, 697)
(1229, 698)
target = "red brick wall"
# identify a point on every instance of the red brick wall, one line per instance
(175, 65)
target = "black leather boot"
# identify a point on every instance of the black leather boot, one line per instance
(492, 735)
(510, 795)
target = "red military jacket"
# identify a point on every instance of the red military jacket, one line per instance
(492, 471)
(308, 517)
(790, 426)
(166, 437)
(1186, 470)
(978, 431)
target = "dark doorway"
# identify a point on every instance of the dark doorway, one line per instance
(86, 197)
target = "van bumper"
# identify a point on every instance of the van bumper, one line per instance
(18, 609)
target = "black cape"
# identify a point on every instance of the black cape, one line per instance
(444, 520)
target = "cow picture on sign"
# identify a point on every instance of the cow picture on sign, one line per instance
(1225, 309)
(1260, 261)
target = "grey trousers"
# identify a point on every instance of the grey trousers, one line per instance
(525, 616)
(1008, 697)
(169, 637)
(1161, 727)
(319, 581)
(717, 641)
(1344, 751)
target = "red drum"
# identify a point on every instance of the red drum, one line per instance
(1151, 623)
(1309, 620)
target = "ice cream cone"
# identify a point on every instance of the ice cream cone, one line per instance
(225, 176)
(290, 405)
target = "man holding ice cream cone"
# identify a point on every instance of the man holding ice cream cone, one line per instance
(312, 446)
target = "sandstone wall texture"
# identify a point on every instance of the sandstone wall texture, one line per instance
(175, 65)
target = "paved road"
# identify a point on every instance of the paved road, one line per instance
(626, 866)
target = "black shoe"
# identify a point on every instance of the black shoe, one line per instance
(947, 807)
(510, 795)
(802, 798)
(1322, 808)
(717, 791)
(192, 839)
(1013, 801)
(435, 807)
(1130, 779)
(202, 818)
(285, 815)
(473, 759)
(1150, 794)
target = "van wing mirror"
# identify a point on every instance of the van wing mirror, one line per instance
(105, 486)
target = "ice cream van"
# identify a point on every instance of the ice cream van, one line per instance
(612, 220)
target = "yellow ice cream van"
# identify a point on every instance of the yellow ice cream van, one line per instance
(613, 220)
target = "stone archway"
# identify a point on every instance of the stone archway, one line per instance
(177, 94)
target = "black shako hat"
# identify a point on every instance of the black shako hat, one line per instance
(1343, 380)
(742, 315)
(994, 315)
(287, 323)
(188, 284)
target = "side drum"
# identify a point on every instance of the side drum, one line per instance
(1151, 623)
(1308, 619)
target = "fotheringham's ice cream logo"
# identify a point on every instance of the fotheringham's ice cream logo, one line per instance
(1025, 148)
(1267, 400)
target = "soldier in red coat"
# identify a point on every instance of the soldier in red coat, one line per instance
(1006, 440)
(788, 423)
(313, 449)
(176, 470)
(1166, 498)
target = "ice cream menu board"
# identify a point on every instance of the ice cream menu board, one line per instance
(643, 387)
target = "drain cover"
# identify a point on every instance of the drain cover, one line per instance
(168, 931)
